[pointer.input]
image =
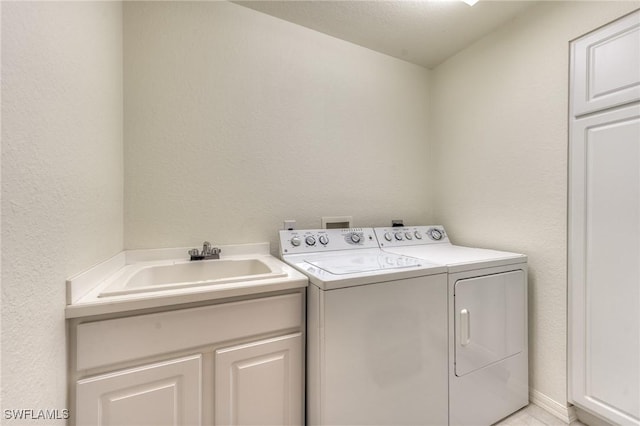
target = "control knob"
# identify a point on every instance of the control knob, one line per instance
(310, 240)
(355, 238)
(388, 236)
(324, 240)
(418, 235)
(295, 241)
(399, 236)
(435, 234)
(408, 235)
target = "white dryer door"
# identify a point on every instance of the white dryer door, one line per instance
(490, 318)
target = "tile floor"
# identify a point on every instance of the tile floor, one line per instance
(532, 415)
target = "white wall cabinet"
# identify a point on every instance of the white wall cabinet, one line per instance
(236, 363)
(606, 67)
(604, 223)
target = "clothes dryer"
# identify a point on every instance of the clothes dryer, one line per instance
(376, 330)
(487, 322)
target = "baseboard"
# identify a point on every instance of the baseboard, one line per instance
(590, 419)
(565, 413)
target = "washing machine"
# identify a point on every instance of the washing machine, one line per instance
(487, 320)
(376, 330)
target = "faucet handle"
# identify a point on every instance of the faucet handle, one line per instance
(206, 248)
(207, 252)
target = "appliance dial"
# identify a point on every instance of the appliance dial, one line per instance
(388, 236)
(398, 236)
(418, 235)
(310, 240)
(355, 238)
(408, 235)
(295, 241)
(435, 234)
(324, 240)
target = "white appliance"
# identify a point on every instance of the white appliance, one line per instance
(487, 302)
(376, 330)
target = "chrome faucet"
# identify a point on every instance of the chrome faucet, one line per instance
(207, 252)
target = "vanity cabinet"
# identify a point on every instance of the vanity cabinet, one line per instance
(224, 364)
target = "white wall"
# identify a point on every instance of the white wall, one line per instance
(235, 120)
(499, 140)
(62, 195)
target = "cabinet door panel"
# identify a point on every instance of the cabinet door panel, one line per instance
(166, 393)
(260, 383)
(604, 264)
(606, 66)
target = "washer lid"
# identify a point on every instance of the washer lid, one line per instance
(347, 268)
(362, 261)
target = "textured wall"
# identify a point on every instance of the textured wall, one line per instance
(499, 140)
(62, 194)
(235, 120)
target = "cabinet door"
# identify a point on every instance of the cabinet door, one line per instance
(260, 383)
(604, 271)
(165, 393)
(606, 66)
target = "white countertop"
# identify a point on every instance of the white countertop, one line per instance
(84, 289)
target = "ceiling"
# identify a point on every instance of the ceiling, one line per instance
(423, 32)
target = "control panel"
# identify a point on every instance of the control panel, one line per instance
(411, 235)
(318, 240)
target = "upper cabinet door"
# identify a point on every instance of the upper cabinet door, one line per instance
(606, 66)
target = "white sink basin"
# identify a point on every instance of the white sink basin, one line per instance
(134, 280)
(189, 274)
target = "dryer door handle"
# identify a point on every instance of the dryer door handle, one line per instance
(465, 327)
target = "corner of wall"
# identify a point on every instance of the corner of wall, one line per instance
(564, 412)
